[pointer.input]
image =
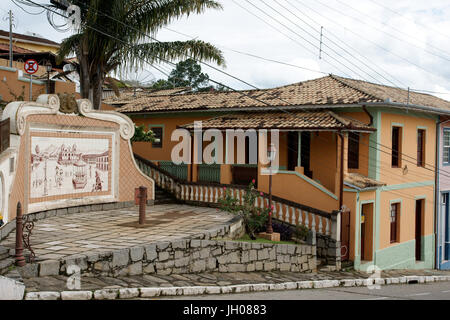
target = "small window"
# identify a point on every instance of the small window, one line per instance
(395, 215)
(421, 148)
(353, 150)
(396, 146)
(158, 131)
(446, 143)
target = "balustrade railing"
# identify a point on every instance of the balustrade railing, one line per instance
(322, 222)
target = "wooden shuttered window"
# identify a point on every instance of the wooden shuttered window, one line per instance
(353, 150)
(421, 148)
(395, 216)
(396, 147)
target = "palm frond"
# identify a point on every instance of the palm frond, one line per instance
(176, 50)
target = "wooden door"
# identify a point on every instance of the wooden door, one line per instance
(292, 150)
(419, 220)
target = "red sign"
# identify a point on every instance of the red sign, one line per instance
(31, 66)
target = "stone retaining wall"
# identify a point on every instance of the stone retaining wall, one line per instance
(186, 256)
(329, 251)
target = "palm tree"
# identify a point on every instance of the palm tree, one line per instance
(113, 36)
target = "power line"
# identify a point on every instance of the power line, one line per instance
(417, 22)
(289, 37)
(393, 28)
(253, 55)
(364, 38)
(242, 93)
(312, 44)
(345, 44)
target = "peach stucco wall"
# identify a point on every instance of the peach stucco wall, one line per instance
(12, 88)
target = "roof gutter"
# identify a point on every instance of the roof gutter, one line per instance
(298, 108)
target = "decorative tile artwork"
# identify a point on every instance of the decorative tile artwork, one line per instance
(63, 166)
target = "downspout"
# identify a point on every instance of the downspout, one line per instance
(192, 158)
(437, 198)
(370, 116)
(341, 188)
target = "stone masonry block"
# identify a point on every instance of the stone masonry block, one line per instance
(136, 253)
(150, 252)
(49, 268)
(121, 258)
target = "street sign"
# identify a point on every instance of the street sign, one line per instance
(31, 66)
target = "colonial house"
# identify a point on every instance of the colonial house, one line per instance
(364, 150)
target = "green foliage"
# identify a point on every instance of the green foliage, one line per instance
(141, 136)
(301, 232)
(253, 218)
(116, 35)
(188, 73)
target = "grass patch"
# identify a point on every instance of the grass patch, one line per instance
(246, 238)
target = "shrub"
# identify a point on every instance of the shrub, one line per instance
(283, 229)
(301, 232)
(253, 218)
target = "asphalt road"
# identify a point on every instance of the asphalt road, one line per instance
(431, 291)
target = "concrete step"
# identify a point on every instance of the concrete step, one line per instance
(5, 265)
(3, 250)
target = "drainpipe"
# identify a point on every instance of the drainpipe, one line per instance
(370, 116)
(341, 188)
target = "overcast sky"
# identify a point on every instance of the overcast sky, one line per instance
(402, 43)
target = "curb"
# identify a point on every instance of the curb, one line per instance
(131, 293)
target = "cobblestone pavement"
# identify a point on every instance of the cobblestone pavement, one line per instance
(59, 283)
(81, 233)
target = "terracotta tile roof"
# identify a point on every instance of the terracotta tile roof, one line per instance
(361, 182)
(19, 36)
(306, 120)
(128, 96)
(325, 91)
(4, 47)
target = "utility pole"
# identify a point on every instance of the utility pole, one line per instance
(10, 39)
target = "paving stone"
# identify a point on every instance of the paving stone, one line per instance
(49, 268)
(76, 295)
(150, 292)
(106, 294)
(42, 295)
(128, 293)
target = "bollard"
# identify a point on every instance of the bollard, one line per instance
(20, 260)
(142, 203)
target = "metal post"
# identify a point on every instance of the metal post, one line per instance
(20, 260)
(269, 229)
(31, 87)
(142, 203)
(10, 40)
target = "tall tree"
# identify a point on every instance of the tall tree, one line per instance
(187, 73)
(112, 35)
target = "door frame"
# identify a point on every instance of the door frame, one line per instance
(358, 242)
(443, 264)
(422, 200)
